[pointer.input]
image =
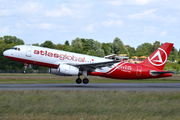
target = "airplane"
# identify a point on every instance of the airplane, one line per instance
(74, 64)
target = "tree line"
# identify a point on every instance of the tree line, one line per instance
(83, 46)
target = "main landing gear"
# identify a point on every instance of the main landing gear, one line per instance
(79, 81)
(85, 80)
(25, 67)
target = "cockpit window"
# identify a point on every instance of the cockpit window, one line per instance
(15, 48)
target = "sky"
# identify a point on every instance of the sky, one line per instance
(133, 21)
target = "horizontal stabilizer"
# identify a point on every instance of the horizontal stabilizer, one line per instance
(160, 72)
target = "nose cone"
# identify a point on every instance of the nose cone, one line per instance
(5, 53)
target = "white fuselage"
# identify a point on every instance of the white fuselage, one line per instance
(49, 57)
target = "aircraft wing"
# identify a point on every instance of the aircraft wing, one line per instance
(93, 66)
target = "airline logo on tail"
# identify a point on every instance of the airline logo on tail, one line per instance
(159, 58)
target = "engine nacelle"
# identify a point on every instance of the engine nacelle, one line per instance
(65, 70)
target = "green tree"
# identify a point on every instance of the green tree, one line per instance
(67, 42)
(36, 44)
(155, 46)
(118, 47)
(12, 40)
(144, 49)
(97, 49)
(117, 43)
(179, 54)
(60, 46)
(107, 48)
(96, 45)
(91, 52)
(123, 50)
(77, 46)
(131, 50)
(3, 46)
(66, 46)
(3, 60)
(8, 42)
(48, 44)
(175, 55)
(86, 46)
(179, 62)
(100, 52)
(90, 43)
(170, 58)
(89, 47)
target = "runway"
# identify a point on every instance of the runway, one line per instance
(95, 87)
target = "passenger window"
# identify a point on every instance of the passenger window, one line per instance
(18, 49)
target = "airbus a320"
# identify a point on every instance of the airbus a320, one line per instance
(69, 63)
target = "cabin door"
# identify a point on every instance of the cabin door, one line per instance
(28, 51)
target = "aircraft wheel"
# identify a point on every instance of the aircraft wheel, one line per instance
(85, 81)
(78, 81)
(24, 71)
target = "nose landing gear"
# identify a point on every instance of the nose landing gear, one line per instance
(25, 67)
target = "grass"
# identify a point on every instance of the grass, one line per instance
(14, 78)
(27, 74)
(88, 105)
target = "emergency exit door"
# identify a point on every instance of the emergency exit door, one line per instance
(139, 70)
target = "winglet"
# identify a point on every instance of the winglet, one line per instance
(159, 58)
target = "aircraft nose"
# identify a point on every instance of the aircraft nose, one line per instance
(5, 53)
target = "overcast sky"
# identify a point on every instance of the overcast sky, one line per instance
(133, 21)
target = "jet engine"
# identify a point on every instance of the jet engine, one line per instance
(65, 70)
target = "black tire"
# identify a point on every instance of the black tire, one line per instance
(78, 81)
(85, 81)
(24, 71)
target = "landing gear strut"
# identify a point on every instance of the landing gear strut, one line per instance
(25, 67)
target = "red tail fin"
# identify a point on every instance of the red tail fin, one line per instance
(159, 58)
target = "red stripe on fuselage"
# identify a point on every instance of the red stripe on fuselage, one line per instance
(33, 62)
(114, 68)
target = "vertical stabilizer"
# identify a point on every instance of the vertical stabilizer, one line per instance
(159, 58)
